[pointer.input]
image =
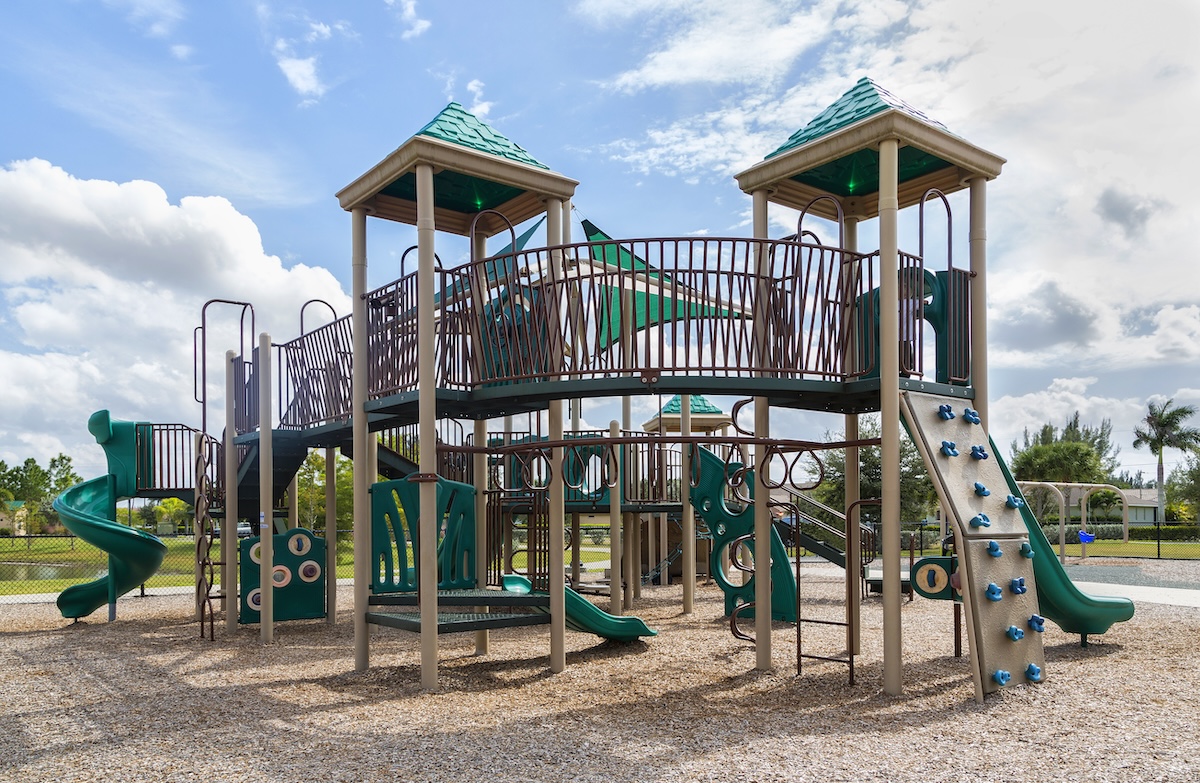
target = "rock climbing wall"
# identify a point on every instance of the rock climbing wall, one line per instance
(995, 558)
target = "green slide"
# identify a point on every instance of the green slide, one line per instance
(586, 617)
(1058, 598)
(89, 511)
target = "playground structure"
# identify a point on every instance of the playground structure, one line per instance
(793, 322)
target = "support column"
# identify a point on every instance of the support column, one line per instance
(762, 537)
(853, 485)
(331, 536)
(978, 252)
(266, 492)
(362, 500)
(480, 470)
(615, 604)
(229, 539)
(427, 429)
(557, 586)
(688, 553)
(762, 429)
(889, 392)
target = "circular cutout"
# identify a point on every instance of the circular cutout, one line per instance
(281, 576)
(256, 552)
(932, 578)
(299, 545)
(254, 599)
(309, 571)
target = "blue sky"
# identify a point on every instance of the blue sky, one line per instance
(158, 153)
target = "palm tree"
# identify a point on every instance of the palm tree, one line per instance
(1164, 430)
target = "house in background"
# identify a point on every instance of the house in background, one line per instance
(12, 516)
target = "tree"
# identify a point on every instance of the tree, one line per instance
(310, 486)
(917, 495)
(1183, 486)
(1098, 438)
(1164, 429)
(1059, 462)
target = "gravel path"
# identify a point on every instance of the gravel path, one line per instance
(145, 699)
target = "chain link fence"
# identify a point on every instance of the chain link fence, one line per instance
(37, 568)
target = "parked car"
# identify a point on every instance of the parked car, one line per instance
(244, 530)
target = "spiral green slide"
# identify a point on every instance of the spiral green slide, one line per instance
(89, 510)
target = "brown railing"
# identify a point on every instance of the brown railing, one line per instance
(166, 460)
(315, 371)
(733, 308)
(642, 308)
(392, 335)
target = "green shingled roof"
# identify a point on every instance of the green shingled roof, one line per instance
(699, 405)
(459, 126)
(862, 100)
(454, 190)
(857, 174)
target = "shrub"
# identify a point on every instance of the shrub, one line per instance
(6, 532)
(1168, 533)
(1102, 532)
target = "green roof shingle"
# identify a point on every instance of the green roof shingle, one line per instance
(456, 125)
(700, 404)
(864, 99)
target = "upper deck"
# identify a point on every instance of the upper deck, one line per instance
(794, 321)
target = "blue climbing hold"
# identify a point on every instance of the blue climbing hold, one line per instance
(981, 490)
(1014, 633)
(994, 549)
(1026, 550)
(1033, 673)
(1018, 586)
(981, 520)
(1012, 501)
(971, 416)
(1037, 623)
(977, 452)
(994, 593)
(945, 412)
(1001, 677)
(949, 448)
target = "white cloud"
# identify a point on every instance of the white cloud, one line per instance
(158, 18)
(479, 107)
(107, 285)
(301, 74)
(414, 24)
(166, 115)
(182, 51)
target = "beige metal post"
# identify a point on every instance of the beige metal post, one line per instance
(331, 536)
(688, 553)
(853, 484)
(889, 393)
(362, 500)
(427, 428)
(266, 491)
(558, 576)
(762, 537)
(978, 253)
(628, 568)
(480, 469)
(229, 540)
(615, 603)
(762, 429)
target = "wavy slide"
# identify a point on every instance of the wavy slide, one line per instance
(88, 510)
(1058, 598)
(586, 617)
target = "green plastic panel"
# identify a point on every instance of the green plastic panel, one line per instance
(459, 126)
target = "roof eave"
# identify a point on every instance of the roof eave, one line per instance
(967, 160)
(442, 155)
